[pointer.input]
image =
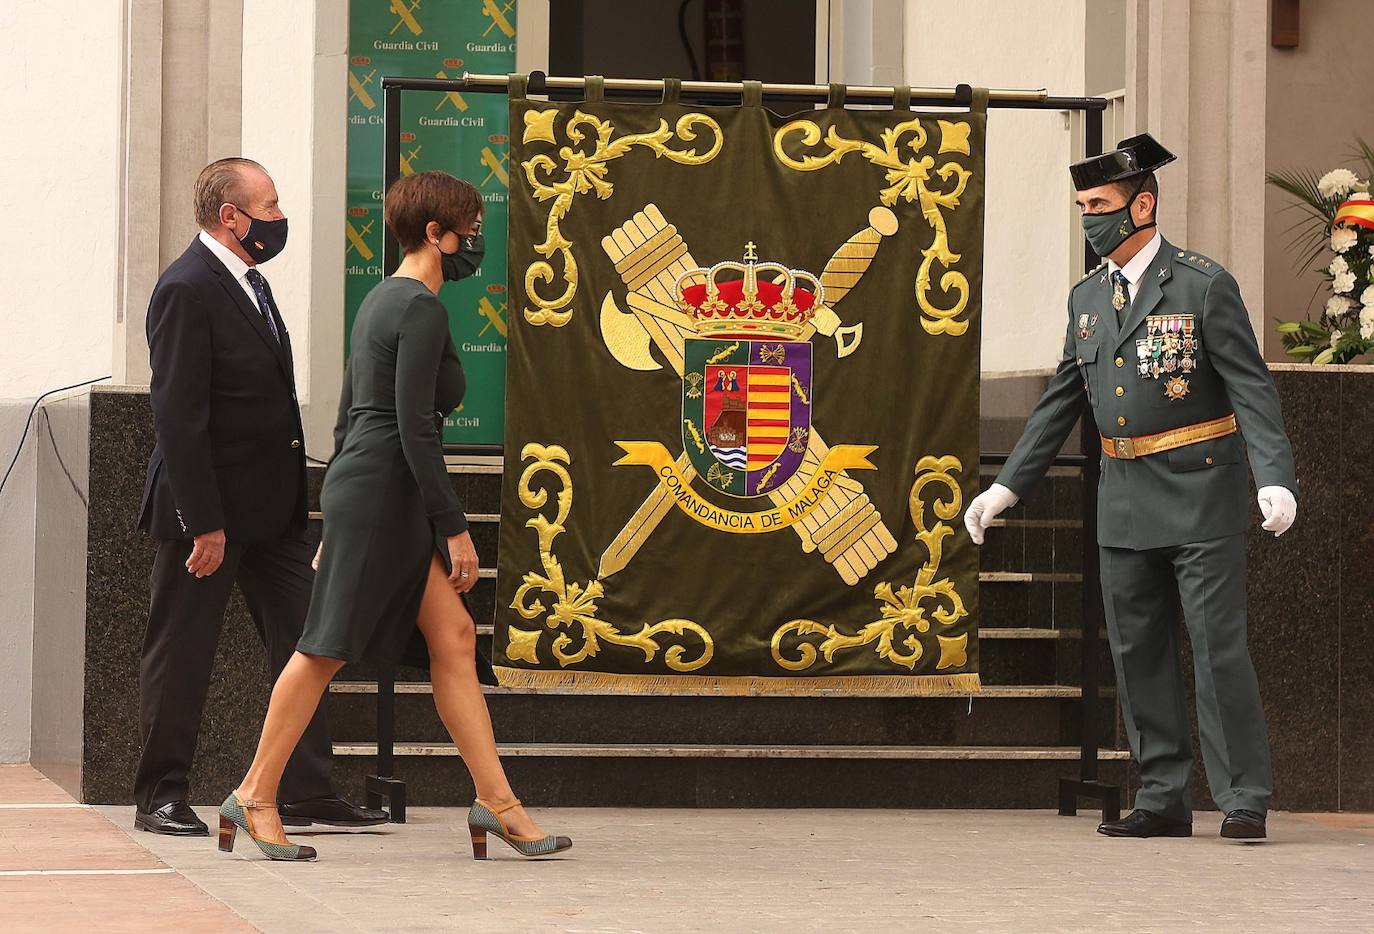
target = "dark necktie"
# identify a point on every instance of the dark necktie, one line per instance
(259, 285)
(1121, 294)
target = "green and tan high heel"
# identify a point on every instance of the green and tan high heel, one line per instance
(485, 818)
(233, 817)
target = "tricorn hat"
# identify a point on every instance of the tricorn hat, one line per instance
(1131, 157)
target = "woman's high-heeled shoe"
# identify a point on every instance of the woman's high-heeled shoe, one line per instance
(485, 818)
(233, 817)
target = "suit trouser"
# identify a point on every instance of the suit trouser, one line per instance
(185, 617)
(1142, 591)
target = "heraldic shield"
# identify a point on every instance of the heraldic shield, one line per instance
(746, 411)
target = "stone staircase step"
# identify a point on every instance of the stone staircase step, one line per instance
(703, 751)
(989, 691)
(1012, 715)
(951, 778)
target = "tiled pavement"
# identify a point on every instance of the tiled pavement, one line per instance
(64, 867)
(657, 870)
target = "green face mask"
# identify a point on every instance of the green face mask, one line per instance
(1106, 232)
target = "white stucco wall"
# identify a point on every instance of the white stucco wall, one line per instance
(57, 270)
(1028, 236)
(294, 122)
(60, 116)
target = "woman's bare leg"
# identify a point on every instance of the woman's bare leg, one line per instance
(294, 698)
(452, 640)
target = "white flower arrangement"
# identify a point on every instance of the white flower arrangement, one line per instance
(1337, 307)
(1345, 328)
(1338, 182)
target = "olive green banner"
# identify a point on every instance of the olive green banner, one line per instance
(742, 400)
(461, 133)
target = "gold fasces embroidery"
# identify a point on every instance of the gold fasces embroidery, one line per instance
(909, 177)
(583, 172)
(909, 607)
(779, 515)
(574, 606)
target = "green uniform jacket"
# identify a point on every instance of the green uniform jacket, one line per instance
(1186, 331)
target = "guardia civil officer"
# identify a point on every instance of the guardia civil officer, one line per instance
(1160, 344)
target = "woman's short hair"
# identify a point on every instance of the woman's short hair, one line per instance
(413, 201)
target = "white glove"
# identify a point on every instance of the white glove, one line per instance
(987, 506)
(1278, 506)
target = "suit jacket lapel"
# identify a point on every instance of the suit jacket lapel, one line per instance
(1101, 302)
(1150, 293)
(284, 346)
(248, 309)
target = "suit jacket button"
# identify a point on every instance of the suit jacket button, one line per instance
(1080, 361)
(1121, 390)
(1121, 420)
(1120, 361)
(295, 444)
(1209, 461)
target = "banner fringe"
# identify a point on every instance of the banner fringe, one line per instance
(828, 686)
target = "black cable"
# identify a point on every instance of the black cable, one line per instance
(686, 42)
(57, 452)
(29, 421)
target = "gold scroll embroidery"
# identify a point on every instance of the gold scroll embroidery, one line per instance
(574, 608)
(583, 172)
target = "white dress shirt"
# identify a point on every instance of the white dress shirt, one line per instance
(235, 264)
(1135, 267)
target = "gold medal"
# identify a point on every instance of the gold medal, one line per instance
(1176, 388)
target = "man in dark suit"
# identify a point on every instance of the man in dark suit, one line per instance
(225, 496)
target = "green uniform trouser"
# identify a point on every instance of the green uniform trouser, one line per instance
(1141, 594)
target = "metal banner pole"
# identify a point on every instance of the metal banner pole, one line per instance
(1088, 785)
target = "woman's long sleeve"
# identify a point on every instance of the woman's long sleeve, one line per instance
(420, 343)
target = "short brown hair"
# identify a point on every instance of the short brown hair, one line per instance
(413, 201)
(218, 182)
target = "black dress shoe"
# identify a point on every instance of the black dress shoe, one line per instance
(174, 820)
(331, 810)
(1241, 824)
(1142, 823)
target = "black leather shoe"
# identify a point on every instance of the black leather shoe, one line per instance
(1241, 824)
(1142, 823)
(331, 810)
(174, 820)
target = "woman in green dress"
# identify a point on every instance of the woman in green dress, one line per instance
(396, 552)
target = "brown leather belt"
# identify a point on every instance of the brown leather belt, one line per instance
(1127, 449)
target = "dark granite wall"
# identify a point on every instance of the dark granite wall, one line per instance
(119, 561)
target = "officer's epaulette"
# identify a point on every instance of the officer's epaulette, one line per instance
(1090, 274)
(1203, 264)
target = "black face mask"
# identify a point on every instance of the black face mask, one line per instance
(466, 261)
(1107, 231)
(263, 239)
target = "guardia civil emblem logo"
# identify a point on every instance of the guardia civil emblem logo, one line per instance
(746, 388)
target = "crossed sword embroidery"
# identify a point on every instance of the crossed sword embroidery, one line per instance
(650, 256)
